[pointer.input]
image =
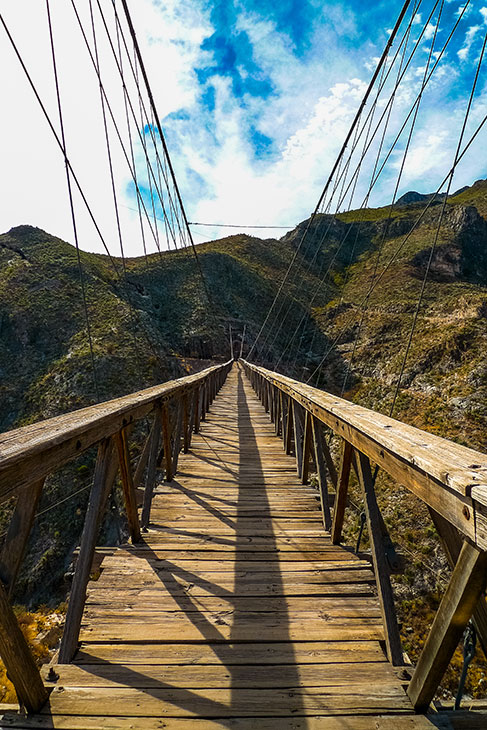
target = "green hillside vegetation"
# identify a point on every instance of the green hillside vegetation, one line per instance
(155, 323)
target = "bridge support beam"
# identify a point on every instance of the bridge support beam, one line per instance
(464, 590)
(381, 568)
(18, 660)
(105, 472)
(18, 533)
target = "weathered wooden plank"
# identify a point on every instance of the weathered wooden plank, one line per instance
(279, 652)
(164, 702)
(217, 676)
(476, 721)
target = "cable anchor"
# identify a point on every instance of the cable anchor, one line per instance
(469, 645)
(360, 532)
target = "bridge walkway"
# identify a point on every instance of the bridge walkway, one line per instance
(236, 611)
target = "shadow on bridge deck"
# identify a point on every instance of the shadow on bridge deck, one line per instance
(236, 611)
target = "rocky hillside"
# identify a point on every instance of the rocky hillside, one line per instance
(155, 323)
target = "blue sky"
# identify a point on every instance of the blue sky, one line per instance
(273, 88)
(255, 100)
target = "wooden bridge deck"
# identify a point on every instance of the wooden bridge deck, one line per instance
(236, 611)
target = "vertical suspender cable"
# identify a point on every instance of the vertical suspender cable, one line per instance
(71, 202)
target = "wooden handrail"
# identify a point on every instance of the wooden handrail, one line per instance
(28, 455)
(448, 477)
(45, 445)
(451, 479)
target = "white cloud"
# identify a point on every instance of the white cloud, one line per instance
(470, 36)
(314, 99)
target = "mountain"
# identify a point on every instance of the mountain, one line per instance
(154, 322)
(413, 197)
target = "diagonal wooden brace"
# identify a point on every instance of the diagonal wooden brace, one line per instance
(467, 583)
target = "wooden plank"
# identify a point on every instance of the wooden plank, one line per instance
(164, 702)
(384, 589)
(263, 653)
(343, 722)
(18, 532)
(217, 676)
(336, 607)
(467, 584)
(104, 476)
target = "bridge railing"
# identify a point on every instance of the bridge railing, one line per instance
(451, 479)
(30, 454)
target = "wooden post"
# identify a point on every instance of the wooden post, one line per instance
(192, 416)
(381, 569)
(306, 448)
(464, 590)
(332, 472)
(277, 424)
(289, 426)
(186, 432)
(166, 439)
(280, 428)
(18, 533)
(18, 659)
(272, 402)
(142, 463)
(242, 342)
(197, 409)
(150, 478)
(105, 472)
(321, 471)
(298, 436)
(341, 492)
(204, 400)
(128, 487)
(176, 445)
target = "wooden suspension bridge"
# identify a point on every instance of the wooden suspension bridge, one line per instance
(235, 604)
